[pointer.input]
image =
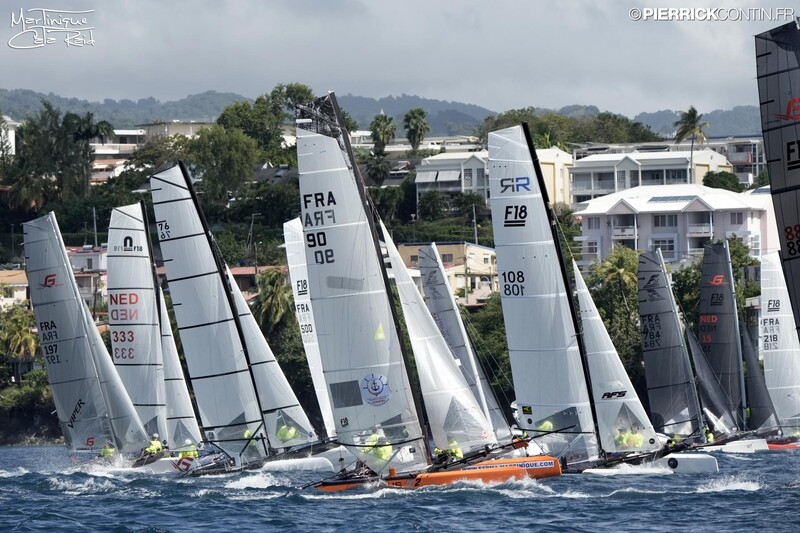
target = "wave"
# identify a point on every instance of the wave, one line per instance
(261, 480)
(730, 483)
(19, 471)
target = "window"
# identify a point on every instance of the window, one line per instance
(481, 177)
(414, 260)
(88, 263)
(665, 221)
(737, 218)
(447, 258)
(676, 175)
(594, 222)
(667, 247)
(485, 260)
(582, 198)
(755, 245)
(591, 247)
(8, 292)
(468, 177)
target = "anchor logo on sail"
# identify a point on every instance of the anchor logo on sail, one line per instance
(375, 389)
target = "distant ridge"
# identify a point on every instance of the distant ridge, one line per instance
(445, 117)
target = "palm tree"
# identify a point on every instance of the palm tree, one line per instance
(274, 302)
(620, 268)
(383, 130)
(689, 125)
(378, 168)
(416, 127)
(17, 339)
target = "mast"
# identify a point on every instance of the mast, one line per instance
(553, 221)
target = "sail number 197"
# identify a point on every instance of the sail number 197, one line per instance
(513, 283)
(318, 239)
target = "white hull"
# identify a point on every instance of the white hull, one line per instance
(168, 465)
(327, 461)
(674, 463)
(739, 446)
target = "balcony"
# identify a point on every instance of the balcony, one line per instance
(695, 251)
(623, 232)
(738, 158)
(699, 230)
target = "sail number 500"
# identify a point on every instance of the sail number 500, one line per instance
(319, 239)
(513, 283)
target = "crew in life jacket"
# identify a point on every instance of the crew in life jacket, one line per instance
(107, 451)
(709, 435)
(189, 450)
(286, 433)
(545, 425)
(378, 446)
(155, 445)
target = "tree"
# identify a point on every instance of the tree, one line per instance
(462, 205)
(17, 338)
(433, 205)
(761, 180)
(274, 303)
(689, 125)
(387, 201)
(416, 126)
(350, 124)
(383, 131)
(618, 272)
(224, 160)
(6, 157)
(378, 168)
(723, 180)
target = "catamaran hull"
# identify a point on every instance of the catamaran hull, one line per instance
(674, 463)
(169, 465)
(739, 446)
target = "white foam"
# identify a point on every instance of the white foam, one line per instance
(19, 471)
(260, 480)
(730, 483)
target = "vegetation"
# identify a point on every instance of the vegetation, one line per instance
(723, 180)
(690, 125)
(383, 131)
(416, 127)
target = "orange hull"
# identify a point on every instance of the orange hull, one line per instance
(536, 467)
(493, 471)
(789, 446)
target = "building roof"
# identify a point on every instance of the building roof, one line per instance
(671, 198)
(648, 156)
(13, 277)
(456, 156)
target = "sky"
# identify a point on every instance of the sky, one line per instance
(499, 54)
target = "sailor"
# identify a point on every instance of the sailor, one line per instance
(709, 435)
(286, 433)
(189, 450)
(545, 425)
(453, 450)
(107, 451)
(155, 445)
(378, 446)
(621, 437)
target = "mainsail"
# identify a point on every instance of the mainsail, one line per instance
(778, 66)
(719, 327)
(442, 305)
(215, 353)
(298, 274)
(372, 401)
(779, 343)
(540, 319)
(674, 405)
(133, 313)
(761, 416)
(715, 407)
(454, 414)
(622, 423)
(92, 404)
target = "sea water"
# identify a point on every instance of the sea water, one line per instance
(40, 490)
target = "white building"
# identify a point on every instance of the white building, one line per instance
(462, 172)
(601, 174)
(679, 219)
(13, 287)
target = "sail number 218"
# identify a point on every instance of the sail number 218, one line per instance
(513, 283)
(318, 239)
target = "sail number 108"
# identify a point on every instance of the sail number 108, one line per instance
(513, 283)
(318, 239)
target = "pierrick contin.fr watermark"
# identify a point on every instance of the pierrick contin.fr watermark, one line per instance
(711, 14)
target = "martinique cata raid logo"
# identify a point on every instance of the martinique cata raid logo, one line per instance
(375, 389)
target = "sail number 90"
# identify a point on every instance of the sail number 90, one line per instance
(513, 283)
(319, 239)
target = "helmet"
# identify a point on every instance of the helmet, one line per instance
(187, 442)
(155, 435)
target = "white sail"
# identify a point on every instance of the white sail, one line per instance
(622, 423)
(454, 414)
(181, 420)
(280, 407)
(358, 341)
(92, 404)
(779, 342)
(133, 317)
(298, 274)
(442, 305)
(212, 343)
(542, 341)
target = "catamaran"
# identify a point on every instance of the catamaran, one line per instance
(93, 407)
(377, 412)
(556, 364)
(246, 406)
(778, 69)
